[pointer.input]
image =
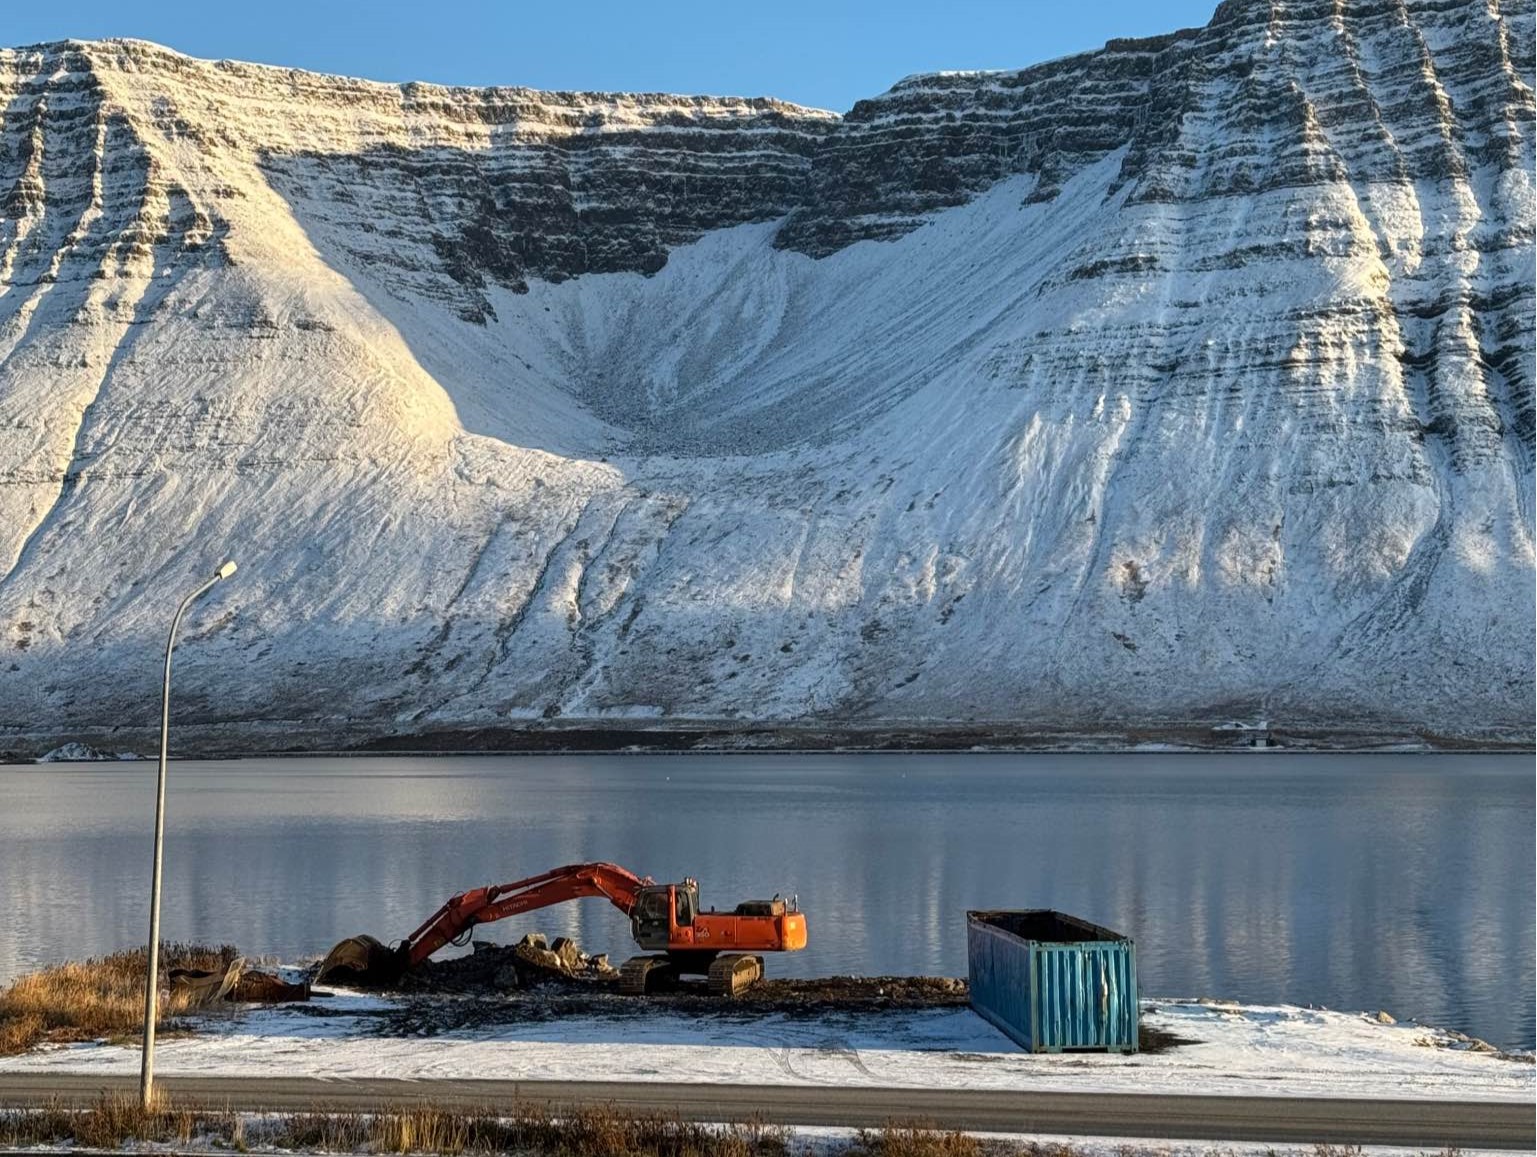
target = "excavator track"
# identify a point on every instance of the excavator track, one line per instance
(732, 973)
(645, 974)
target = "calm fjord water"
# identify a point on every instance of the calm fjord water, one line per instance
(1402, 882)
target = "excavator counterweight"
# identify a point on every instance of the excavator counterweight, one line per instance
(665, 919)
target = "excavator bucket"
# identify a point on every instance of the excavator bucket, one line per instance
(362, 961)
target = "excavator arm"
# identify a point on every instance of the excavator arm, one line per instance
(363, 959)
(483, 905)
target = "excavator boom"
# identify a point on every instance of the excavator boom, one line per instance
(483, 905)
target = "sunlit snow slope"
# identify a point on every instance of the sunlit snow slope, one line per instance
(1182, 379)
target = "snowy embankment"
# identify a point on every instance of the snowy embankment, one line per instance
(1238, 1050)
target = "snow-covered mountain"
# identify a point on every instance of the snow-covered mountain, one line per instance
(1186, 378)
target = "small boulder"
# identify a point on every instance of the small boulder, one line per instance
(570, 955)
(541, 958)
(506, 979)
(1385, 1017)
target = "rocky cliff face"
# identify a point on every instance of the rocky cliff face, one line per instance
(1190, 376)
(1272, 94)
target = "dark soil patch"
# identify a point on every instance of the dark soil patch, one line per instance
(1156, 1040)
(548, 1004)
(494, 987)
(494, 969)
(857, 993)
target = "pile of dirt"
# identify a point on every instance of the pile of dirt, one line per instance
(859, 992)
(558, 978)
(426, 1013)
(560, 967)
(532, 962)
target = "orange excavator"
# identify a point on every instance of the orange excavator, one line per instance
(665, 919)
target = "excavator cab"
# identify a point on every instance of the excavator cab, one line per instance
(660, 909)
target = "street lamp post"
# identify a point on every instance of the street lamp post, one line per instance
(151, 983)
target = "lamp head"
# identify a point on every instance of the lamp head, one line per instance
(226, 570)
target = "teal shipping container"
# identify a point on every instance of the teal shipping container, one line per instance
(1052, 982)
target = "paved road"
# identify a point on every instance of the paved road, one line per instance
(1431, 1124)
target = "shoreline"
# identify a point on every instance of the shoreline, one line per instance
(242, 741)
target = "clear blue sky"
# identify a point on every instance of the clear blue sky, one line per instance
(827, 54)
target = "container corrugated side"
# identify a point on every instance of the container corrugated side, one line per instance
(1050, 996)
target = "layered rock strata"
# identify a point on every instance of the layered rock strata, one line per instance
(1189, 377)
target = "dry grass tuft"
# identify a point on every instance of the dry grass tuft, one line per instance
(109, 1123)
(923, 1139)
(116, 1119)
(917, 1139)
(594, 1132)
(102, 997)
(25, 1128)
(20, 1031)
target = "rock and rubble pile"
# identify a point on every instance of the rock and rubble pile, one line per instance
(550, 970)
(493, 968)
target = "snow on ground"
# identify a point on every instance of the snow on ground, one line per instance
(824, 1142)
(1240, 1050)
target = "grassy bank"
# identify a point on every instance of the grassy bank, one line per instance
(101, 998)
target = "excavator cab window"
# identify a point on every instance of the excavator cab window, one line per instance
(688, 901)
(648, 923)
